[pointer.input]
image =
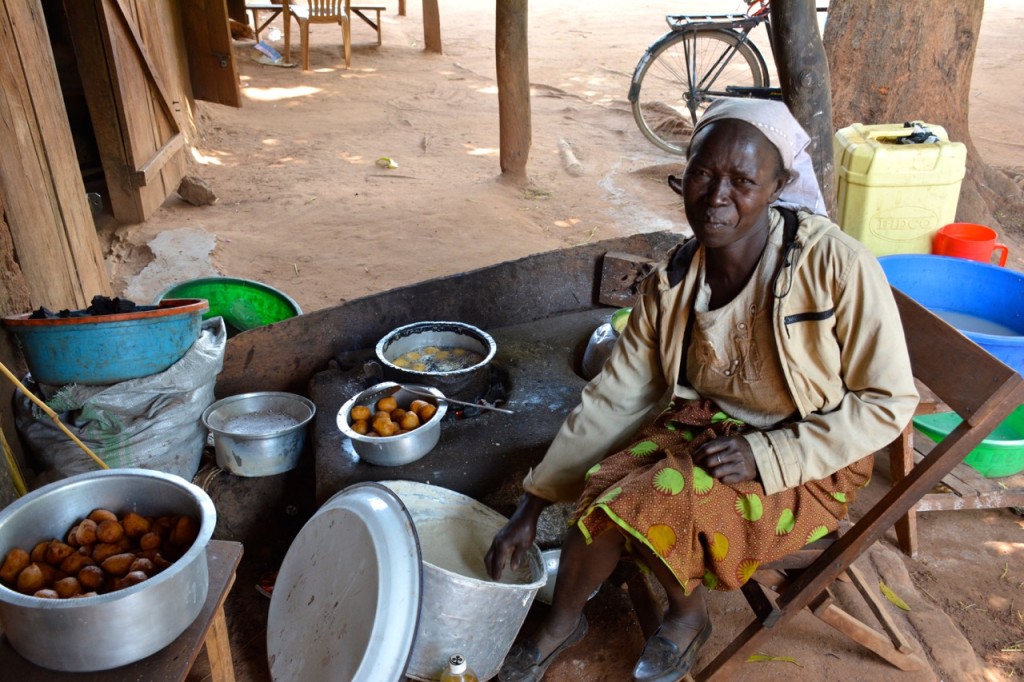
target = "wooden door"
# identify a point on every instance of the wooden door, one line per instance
(49, 250)
(211, 61)
(129, 53)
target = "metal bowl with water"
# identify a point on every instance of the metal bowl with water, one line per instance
(259, 434)
(117, 628)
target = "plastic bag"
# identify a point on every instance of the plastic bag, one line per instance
(152, 422)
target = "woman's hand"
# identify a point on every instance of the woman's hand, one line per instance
(730, 460)
(512, 543)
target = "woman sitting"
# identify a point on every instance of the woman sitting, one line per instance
(775, 342)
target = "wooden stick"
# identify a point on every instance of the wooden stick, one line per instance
(53, 415)
(12, 466)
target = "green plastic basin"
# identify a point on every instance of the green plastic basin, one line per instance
(1001, 454)
(243, 303)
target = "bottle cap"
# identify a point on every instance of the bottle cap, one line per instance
(457, 664)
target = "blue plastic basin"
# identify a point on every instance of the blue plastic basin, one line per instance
(107, 349)
(983, 302)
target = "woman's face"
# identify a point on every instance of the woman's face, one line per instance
(732, 175)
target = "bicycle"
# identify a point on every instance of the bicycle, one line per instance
(702, 57)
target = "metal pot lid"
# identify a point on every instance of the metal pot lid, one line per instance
(347, 598)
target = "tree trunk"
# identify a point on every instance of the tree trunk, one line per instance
(803, 75)
(513, 71)
(899, 61)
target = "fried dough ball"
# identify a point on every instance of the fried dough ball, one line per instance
(360, 413)
(186, 530)
(50, 573)
(409, 421)
(75, 563)
(38, 552)
(385, 428)
(67, 587)
(14, 563)
(135, 525)
(397, 414)
(133, 578)
(86, 532)
(101, 515)
(109, 531)
(387, 404)
(57, 552)
(104, 551)
(118, 564)
(150, 541)
(142, 564)
(91, 577)
(426, 412)
(360, 426)
(46, 594)
(31, 579)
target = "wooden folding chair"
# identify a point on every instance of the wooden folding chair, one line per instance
(974, 384)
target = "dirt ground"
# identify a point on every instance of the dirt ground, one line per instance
(304, 207)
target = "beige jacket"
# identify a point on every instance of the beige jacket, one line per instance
(843, 353)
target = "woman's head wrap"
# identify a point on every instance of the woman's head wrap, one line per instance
(774, 120)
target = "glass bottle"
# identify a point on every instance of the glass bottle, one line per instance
(458, 671)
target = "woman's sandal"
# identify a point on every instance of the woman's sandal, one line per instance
(663, 661)
(523, 663)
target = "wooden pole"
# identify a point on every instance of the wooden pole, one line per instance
(513, 72)
(431, 26)
(803, 75)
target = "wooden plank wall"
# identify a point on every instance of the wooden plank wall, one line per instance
(52, 231)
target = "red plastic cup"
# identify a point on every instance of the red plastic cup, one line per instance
(970, 241)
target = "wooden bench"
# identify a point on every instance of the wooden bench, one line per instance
(361, 10)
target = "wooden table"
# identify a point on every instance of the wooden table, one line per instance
(174, 661)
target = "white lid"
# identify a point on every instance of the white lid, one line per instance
(347, 598)
(457, 664)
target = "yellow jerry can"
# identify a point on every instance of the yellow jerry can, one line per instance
(894, 197)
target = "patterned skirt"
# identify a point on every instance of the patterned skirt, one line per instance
(705, 531)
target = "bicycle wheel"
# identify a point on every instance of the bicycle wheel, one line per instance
(682, 73)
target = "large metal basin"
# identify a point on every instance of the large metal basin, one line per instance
(117, 628)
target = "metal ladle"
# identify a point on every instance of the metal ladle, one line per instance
(391, 388)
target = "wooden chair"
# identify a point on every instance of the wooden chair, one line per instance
(969, 381)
